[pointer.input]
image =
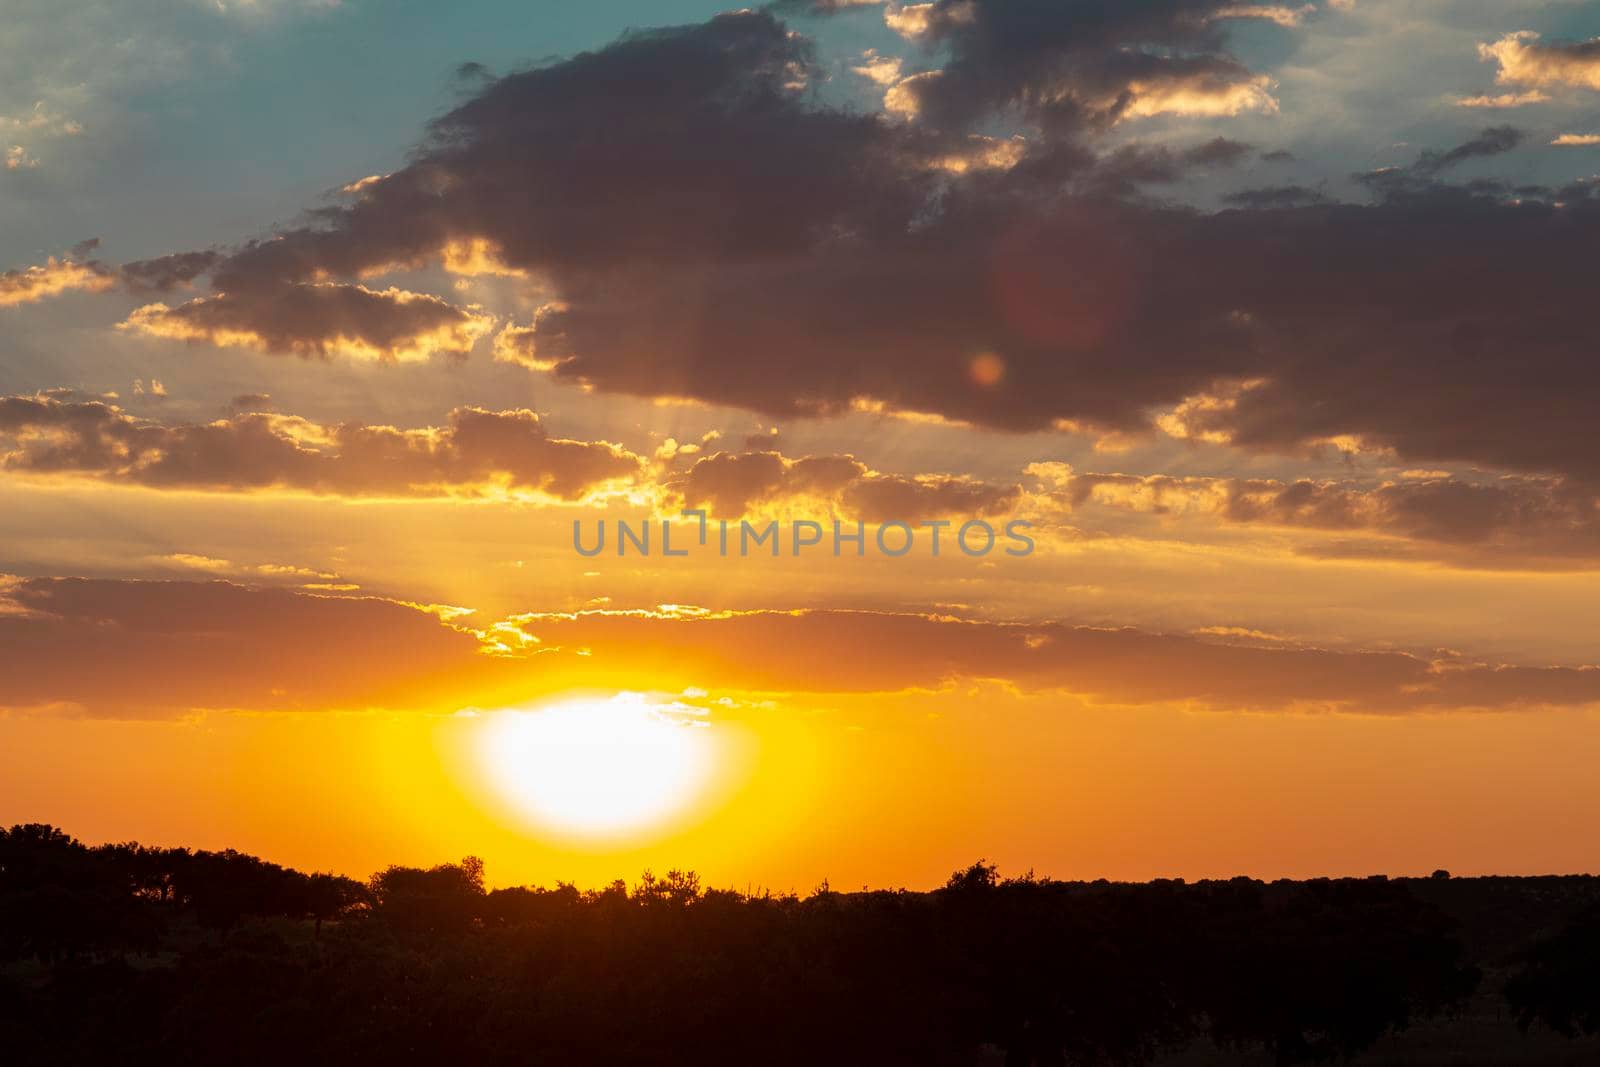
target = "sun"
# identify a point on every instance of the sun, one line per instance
(599, 769)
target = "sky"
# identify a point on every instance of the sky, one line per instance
(326, 326)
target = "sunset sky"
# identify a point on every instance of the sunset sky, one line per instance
(323, 322)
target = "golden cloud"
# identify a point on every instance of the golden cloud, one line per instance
(53, 277)
(1524, 60)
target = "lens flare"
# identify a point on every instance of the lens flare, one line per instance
(986, 369)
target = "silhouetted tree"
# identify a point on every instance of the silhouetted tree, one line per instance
(1558, 982)
(443, 899)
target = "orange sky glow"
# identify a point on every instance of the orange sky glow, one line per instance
(1292, 394)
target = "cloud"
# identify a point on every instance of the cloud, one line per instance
(910, 21)
(251, 402)
(158, 649)
(477, 451)
(1201, 93)
(53, 277)
(1576, 140)
(145, 649)
(1074, 65)
(1275, 197)
(733, 484)
(58, 78)
(320, 319)
(881, 69)
(1524, 59)
(41, 120)
(820, 7)
(36, 123)
(303, 577)
(1503, 100)
(166, 273)
(1491, 141)
(1280, 14)
(732, 240)
(1508, 522)
(78, 270)
(823, 651)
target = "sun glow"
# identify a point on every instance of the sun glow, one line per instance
(599, 769)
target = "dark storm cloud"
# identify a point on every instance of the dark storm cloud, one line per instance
(252, 451)
(707, 230)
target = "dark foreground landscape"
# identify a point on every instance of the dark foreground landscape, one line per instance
(127, 954)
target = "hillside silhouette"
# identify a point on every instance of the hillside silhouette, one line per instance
(129, 954)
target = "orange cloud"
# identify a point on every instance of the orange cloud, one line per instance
(1503, 100)
(1200, 94)
(910, 21)
(1281, 14)
(53, 277)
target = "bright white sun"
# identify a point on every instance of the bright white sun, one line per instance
(598, 768)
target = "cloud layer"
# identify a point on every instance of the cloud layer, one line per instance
(117, 648)
(1510, 522)
(476, 451)
(701, 226)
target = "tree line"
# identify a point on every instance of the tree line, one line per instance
(129, 954)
